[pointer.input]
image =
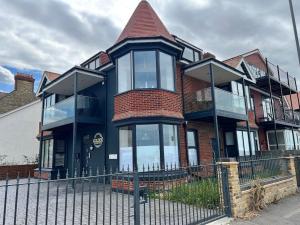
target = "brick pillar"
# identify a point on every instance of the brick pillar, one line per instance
(292, 169)
(235, 193)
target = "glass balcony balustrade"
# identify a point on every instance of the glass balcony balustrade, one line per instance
(225, 101)
(87, 107)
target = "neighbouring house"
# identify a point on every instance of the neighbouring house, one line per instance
(19, 124)
(155, 99)
(22, 94)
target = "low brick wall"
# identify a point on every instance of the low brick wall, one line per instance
(274, 190)
(14, 170)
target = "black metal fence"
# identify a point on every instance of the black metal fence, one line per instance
(263, 169)
(190, 195)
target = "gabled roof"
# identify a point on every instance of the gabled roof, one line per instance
(236, 60)
(46, 78)
(144, 22)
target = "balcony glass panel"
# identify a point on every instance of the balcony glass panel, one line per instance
(225, 101)
(86, 107)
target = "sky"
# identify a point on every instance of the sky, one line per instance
(55, 35)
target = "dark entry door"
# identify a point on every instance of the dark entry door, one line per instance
(230, 146)
(86, 152)
(92, 151)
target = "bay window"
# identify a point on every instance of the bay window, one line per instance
(125, 148)
(148, 145)
(285, 139)
(166, 72)
(124, 73)
(145, 70)
(170, 146)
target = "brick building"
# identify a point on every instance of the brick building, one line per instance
(155, 99)
(22, 94)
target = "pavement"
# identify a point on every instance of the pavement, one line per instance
(285, 212)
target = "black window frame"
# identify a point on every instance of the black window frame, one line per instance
(195, 132)
(158, 73)
(161, 145)
(194, 53)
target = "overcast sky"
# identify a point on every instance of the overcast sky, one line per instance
(57, 34)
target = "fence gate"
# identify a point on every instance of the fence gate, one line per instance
(190, 195)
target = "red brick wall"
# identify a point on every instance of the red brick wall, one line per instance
(14, 170)
(155, 102)
(257, 98)
(262, 139)
(191, 86)
(141, 103)
(205, 134)
(256, 60)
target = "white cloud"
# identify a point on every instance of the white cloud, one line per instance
(57, 34)
(6, 76)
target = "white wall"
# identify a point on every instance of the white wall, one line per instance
(18, 131)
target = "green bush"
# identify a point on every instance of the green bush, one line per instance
(202, 193)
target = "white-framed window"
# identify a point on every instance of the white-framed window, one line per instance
(243, 142)
(285, 139)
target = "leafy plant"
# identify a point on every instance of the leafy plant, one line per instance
(202, 193)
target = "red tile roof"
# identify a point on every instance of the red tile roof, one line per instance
(233, 62)
(144, 22)
(51, 76)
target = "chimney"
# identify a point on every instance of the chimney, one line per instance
(24, 81)
(208, 55)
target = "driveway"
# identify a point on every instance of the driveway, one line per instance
(286, 212)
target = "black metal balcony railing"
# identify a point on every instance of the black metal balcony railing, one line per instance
(86, 107)
(201, 100)
(284, 115)
(275, 72)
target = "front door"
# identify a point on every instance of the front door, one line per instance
(86, 151)
(230, 146)
(92, 151)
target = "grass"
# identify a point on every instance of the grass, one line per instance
(203, 193)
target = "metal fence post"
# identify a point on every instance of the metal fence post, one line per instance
(136, 190)
(225, 189)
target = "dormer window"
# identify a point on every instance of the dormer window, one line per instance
(145, 70)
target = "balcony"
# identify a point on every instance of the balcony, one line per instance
(283, 117)
(280, 80)
(200, 104)
(63, 112)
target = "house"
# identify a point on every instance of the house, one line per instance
(19, 125)
(22, 94)
(155, 100)
(272, 104)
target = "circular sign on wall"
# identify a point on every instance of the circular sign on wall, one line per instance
(98, 140)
